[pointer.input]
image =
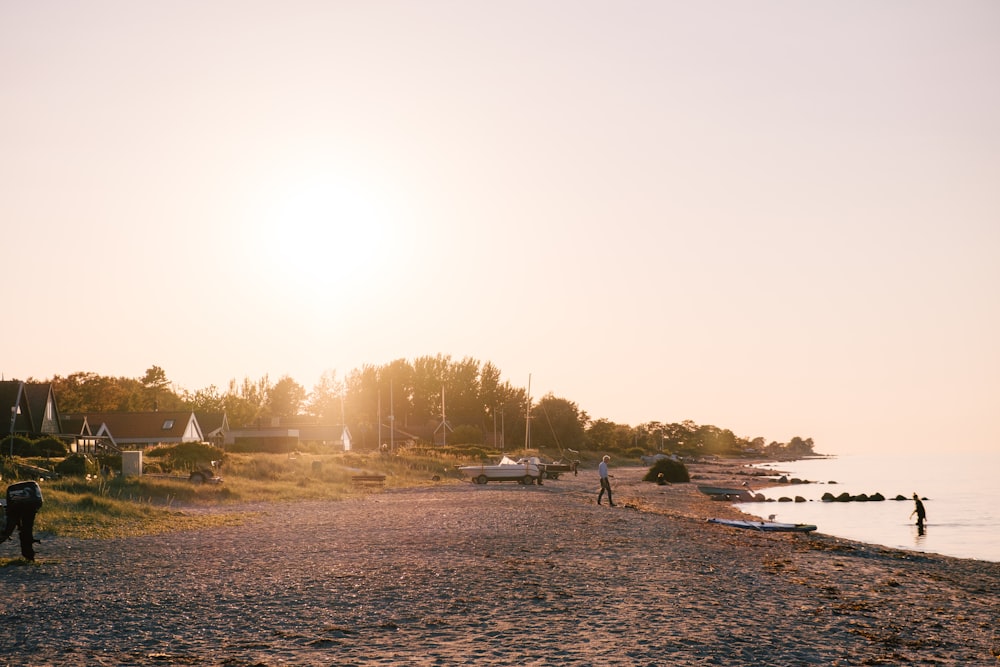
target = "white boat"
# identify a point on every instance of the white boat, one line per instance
(523, 471)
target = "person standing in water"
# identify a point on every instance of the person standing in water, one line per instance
(919, 511)
(602, 471)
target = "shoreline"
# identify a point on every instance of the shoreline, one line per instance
(499, 574)
(878, 511)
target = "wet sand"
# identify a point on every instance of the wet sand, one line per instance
(500, 574)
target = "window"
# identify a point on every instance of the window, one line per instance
(168, 424)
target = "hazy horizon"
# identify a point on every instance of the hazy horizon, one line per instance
(780, 218)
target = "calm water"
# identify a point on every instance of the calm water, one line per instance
(963, 501)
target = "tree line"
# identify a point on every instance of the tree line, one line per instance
(432, 398)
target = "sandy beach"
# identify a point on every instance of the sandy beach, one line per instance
(500, 574)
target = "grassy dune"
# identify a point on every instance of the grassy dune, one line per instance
(95, 507)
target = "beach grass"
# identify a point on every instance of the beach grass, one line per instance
(103, 507)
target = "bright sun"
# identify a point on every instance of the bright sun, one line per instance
(321, 234)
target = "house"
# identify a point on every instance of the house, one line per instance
(313, 429)
(79, 428)
(86, 440)
(285, 433)
(142, 429)
(31, 407)
(214, 426)
(42, 403)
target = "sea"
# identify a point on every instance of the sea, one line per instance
(961, 492)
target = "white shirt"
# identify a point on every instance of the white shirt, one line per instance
(602, 469)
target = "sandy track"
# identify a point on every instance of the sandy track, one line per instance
(497, 575)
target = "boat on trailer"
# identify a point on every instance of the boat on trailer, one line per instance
(523, 471)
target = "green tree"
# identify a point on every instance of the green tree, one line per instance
(285, 398)
(799, 447)
(90, 392)
(205, 400)
(606, 435)
(361, 405)
(326, 401)
(396, 389)
(556, 424)
(154, 381)
(429, 375)
(245, 402)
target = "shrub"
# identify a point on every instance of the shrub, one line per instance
(463, 451)
(51, 447)
(22, 446)
(76, 464)
(186, 456)
(112, 461)
(673, 471)
(466, 435)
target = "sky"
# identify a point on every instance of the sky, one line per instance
(777, 217)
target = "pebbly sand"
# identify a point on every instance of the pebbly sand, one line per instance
(500, 574)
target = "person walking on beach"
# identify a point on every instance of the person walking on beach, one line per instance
(602, 471)
(919, 511)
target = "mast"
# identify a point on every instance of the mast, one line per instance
(444, 426)
(527, 418)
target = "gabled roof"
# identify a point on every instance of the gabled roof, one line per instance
(147, 427)
(76, 425)
(212, 423)
(39, 396)
(14, 404)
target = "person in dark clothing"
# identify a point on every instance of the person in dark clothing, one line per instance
(23, 501)
(919, 511)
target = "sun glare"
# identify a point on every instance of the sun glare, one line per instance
(322, 235)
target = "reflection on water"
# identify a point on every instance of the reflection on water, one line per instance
(962, 502)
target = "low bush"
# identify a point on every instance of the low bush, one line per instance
(51, 447)
(672, 471)
(76, 465)
(21, 446)
(109, 461)
(185, 456)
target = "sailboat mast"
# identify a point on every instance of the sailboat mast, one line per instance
(527, 418)
(392, 422)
